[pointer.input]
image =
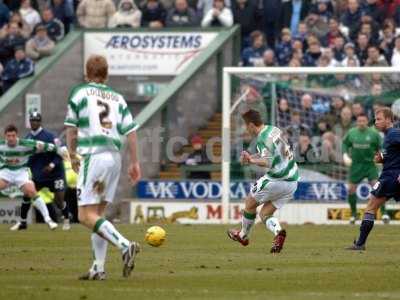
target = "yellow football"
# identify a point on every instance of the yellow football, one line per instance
(155, 236)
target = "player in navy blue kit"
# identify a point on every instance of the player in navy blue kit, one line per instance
(388, 184)
(47, 171)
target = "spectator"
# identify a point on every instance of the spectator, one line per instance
(40, 45)
(330, 148)
(64, 11)
(203, 6)
(317, 26)
(357, 110)
(127, 15)
(283, 113)
(25, 29)
(253, 55)
(305, 151)
(345, 123)
(296, 127)
(375, 59)
(322, 10)
(396, 53)
(322, 126)
(369, 28)
(153, 14)
(272, 12)
(1, 83)
(362, 48)
(17, 68)
(268, 59)
(4, 14)
(181, 15)
(95, 13)
(372, 9)
(198, 157)
(302, 32)
(284, 48)
(55, 28)
(15, 5)
(308, 114)
(313, 53)
(387, 41)
(245, 13)
(29, 14)
(333, 33)
(293, 12)
(218, 16)
(352, 16)
(12, 40)
(338, 49)
(350, 54)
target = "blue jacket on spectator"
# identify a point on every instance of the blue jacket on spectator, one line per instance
(159, 13)
(250, 55)
(374, 11)
(15, 70)
(284, 53)
(351, 20)
(187, 18)
(311, 59)
(4, 14)
(64, 12)
(39, 161)
(7, 46)
(338, 55)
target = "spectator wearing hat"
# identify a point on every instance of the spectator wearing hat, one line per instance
(55, 28)
(128, 15)
(294, 12)
(395, 60)
(153, 14)
(4, 14)
(181, 15)
(218, 16)
(95, 13)
(246, 14)
(29, 14)
(350, 54)
(284, 49)
(40, 45)
(252, 55)
(198, 156)
(17, 68)
(12, 40)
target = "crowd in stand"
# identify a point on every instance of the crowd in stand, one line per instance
(26, 35)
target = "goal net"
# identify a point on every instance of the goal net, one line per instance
(314, 107)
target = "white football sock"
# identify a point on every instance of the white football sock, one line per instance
(248, 220)
(40, 205)
(107, 231)
(99, 246)
(273, 225)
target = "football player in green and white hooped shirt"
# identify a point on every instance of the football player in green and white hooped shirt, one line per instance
(14, 155)
(272, 190)
(98, 121)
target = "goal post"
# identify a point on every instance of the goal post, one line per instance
(275, 77)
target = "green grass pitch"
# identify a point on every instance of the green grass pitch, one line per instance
(199, 262)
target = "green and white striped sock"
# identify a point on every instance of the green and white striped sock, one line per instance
(248, 220)
(107, 231)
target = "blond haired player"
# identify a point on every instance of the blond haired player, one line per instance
(98, 121)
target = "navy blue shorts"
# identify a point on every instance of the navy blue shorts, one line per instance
(388, 185)
(54, 185)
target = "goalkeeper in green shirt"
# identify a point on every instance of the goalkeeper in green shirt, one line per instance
(360, 145)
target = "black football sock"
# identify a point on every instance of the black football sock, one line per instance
(366, 226)
(26, 205)
(65, 210)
